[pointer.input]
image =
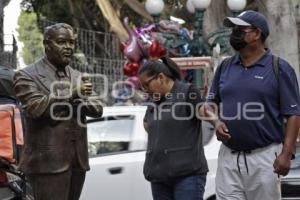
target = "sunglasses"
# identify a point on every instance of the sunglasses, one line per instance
(145, 85)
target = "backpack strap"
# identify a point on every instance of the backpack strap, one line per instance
(222, 67)
(224, 64)
(275, 66)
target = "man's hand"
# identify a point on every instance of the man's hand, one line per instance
(84, 89)
(86, 86)
(282, 164)
(222, 131)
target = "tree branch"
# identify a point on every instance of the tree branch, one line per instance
(139, 8)
(110, 14)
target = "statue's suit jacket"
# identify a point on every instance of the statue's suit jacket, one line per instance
(49, 142)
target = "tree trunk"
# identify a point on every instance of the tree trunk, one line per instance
(139, 8)
(214, 15)
(283, 39)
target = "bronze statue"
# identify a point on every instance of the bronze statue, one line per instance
(55, 156)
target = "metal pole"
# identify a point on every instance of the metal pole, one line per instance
(197, 46)
(156, 19)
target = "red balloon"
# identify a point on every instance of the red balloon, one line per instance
(131, 68)
(153, 49)
(127, 70)
(135, 66)
(161, 51)
(156, 50)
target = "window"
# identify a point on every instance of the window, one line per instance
(109, 134)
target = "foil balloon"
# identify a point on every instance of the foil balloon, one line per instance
(135, 67)
(156, 50)
(131, 68)
(123, 45)
(170, 25)
(144, 44)
(147, 28)
(134, 81)
(127, 70)
(132, 51)
(185, 33)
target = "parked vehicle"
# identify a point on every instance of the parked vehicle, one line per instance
(290, 184)
(117, 144)
(13, 184)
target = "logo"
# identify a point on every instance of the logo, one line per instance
(293, 106)
(242, 13)
(259, 77)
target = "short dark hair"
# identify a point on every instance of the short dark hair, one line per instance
(50, 30)
(163, 65)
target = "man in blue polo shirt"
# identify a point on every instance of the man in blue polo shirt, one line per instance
(253, 102)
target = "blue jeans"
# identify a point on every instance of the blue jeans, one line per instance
(183, 188)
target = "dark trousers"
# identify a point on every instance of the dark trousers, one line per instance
(63, 186)
(59, 186)
(184, 188)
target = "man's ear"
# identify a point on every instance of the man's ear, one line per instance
(258, 34)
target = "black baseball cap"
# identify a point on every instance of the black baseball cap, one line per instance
(249, 18)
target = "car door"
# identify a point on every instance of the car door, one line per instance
(110, 177)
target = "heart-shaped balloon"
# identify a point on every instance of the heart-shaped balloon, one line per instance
(127, 70)
(135, 66)
(153, 49)
(134, 81)
(132, 51)
(156, 50)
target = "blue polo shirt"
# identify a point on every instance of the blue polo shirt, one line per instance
(253, 102)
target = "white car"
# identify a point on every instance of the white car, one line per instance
(117, 144)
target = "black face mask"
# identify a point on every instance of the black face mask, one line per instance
(237, 40)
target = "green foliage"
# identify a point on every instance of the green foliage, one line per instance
(30, 35)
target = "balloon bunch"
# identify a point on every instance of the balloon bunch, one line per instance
(132, 51)
(140, 46)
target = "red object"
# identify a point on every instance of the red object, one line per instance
(135, 66)
(123, 45)
(156, 50)
(127, 70)
(11, 132)
(131, 69)
(3, 177)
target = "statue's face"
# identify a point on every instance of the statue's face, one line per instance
(60, 47)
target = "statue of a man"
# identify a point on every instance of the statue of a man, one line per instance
(56, 102)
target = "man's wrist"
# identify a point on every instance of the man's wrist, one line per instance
(214, 122)
(287, 153)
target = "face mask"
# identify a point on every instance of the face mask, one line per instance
(237, 40)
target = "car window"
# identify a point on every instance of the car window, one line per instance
(109, 135)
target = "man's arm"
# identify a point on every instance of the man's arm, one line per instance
(36, 103)
(210, 114)
(282, 163)
(210, 109)
(290, 107)
(93, 107)
(291, 134)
